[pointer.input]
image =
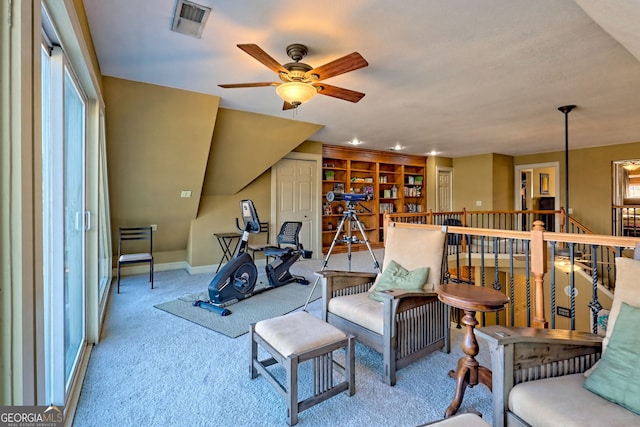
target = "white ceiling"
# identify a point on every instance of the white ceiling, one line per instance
(461, 77)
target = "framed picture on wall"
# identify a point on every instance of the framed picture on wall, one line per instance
(544, 183)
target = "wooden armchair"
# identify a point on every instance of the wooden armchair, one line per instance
(538, 375)
(521, 355)
(407, 325)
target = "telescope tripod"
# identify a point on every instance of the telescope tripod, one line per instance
(349, 217)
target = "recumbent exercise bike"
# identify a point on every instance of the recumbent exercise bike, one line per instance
(237, 279)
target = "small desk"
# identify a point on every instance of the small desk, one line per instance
(226, 241)
(470, 299)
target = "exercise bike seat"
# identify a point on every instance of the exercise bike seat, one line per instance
(275, 252)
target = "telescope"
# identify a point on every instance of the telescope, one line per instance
(349, 197)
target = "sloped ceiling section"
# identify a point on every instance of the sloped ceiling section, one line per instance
(246, 144)
(619, 18)
(158, 140)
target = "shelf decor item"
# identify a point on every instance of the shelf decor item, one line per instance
(329, 175)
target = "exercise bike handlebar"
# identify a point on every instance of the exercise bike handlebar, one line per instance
(251, 228)
(249, 217)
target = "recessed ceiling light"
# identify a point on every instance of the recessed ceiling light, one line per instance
(433, 153)
(356, 141)
(397, 147)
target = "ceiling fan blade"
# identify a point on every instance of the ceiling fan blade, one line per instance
(338, 92)
(288, 106)
(255, 51)
(235, 85)
(347, 63)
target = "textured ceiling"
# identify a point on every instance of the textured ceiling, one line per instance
(460, 77)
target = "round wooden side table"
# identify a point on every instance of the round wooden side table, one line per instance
(470, 299)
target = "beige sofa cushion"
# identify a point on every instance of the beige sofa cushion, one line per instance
(562, 401)
(359, 309)
(415, 248)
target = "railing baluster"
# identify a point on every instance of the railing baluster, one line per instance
(594, 304)
(512, 298)
(553, 287)
(527, 270)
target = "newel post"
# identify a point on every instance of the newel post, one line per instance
(385, 221)
(539, 268)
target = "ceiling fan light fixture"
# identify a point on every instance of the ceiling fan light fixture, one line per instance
(296, 93)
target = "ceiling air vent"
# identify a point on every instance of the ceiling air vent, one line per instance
(189, 18)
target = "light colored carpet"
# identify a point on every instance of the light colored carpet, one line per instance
(154, 369)
(272, 303)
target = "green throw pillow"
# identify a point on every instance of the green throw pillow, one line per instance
(616, 376)
(396, 276)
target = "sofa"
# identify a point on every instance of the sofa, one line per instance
(545, 377)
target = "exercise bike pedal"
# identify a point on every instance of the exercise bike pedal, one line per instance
(212, 307)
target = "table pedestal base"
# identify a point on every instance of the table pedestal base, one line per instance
(469, 372)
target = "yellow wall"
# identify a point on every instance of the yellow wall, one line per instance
(218, 214)
(489, 178)
(246, 144)
(158, 141)
(473, 177)
(503, 182)
(161, 141)
(590, 180)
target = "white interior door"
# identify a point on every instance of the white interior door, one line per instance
(444, 193)
(296, 197)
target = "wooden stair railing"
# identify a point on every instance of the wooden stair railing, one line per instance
(532, 258)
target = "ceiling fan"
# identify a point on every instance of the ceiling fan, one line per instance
(300, 81)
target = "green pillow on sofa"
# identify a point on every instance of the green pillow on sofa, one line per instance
(396, 276)
(615, 378)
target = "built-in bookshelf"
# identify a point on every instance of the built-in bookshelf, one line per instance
(396, 182)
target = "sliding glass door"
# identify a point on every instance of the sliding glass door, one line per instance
(65, 222)
(75, 222)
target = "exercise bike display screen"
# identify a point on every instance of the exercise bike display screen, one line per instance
(250, 216)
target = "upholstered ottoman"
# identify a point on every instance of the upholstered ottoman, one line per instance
(295, 338)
